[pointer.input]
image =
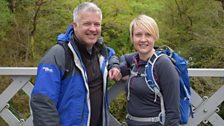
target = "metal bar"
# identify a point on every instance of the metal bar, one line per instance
(216, 120)
(29, 121)
(28, 88)
(196, 99)
(13, 88)
(208, 107)
(114, 91)
(205, 72)
(18, 70)
(114, 121)
(209, 72)
(8, 116)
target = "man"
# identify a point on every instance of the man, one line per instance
(78, 98)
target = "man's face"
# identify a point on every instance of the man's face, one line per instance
(88, 28)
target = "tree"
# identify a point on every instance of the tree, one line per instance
(194, 28)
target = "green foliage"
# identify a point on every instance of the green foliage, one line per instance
(118, 107)
(53, 20)
(5, 17)
(115, 26)
(193, 28)
(189, 27)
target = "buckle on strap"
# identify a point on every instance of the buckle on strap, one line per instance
(137, 74)
(143, 119)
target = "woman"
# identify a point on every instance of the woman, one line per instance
(144, 106)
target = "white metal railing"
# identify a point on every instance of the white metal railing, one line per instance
(205, 108)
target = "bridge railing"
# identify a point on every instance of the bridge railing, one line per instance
(205, 108)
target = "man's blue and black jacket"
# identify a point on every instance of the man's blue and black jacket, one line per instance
(66, 102)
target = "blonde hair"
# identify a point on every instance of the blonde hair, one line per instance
(146, 23)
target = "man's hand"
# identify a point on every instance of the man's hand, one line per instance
(115, 74)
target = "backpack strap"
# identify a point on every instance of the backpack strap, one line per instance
(133, 74)
(150, 79)
(152, 83)
(69, 64)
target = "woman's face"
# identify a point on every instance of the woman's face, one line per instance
(143, 42)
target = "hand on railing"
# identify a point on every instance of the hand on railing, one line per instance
(115, 74)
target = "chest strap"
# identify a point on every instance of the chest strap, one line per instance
(133, 74)
(143, 119)
(137, 74)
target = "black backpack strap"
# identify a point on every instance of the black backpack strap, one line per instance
(69, 63)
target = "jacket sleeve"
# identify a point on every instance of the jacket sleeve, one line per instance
(113, 60)
(44, 111)
(168, 80)
(45, 94)
(126, 62)
(124, 66)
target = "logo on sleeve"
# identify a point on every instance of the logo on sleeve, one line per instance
(46, 69)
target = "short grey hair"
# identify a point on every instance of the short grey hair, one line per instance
(85, 6)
